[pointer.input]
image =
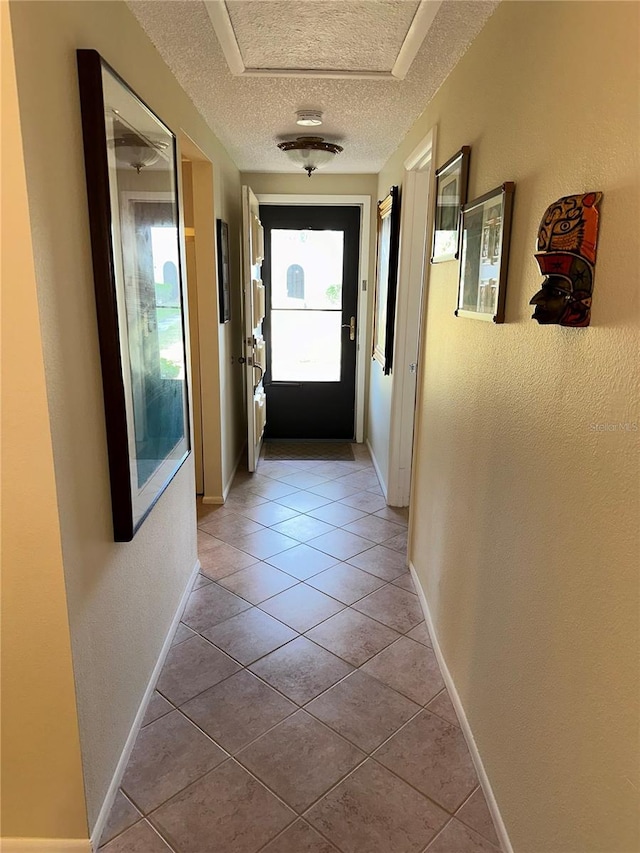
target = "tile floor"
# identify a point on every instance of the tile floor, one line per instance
(301, 708)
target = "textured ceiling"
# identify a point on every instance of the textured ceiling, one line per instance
(344, 34)
(250, 114)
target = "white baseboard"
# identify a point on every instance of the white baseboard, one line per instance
(462, 717)
(45, 845)
(383, 485)
(121, 766)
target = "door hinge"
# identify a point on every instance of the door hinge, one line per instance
(364, 285)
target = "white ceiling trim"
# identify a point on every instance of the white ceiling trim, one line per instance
(217, 11)
(424, 17)
(427, 10)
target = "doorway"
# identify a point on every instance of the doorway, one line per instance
(365, 271)
(311, 275)
(415, 241)
(197, 192)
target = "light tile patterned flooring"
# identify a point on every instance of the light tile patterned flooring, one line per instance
(301, 708)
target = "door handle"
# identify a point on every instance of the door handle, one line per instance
(261, 369)
(352, 328)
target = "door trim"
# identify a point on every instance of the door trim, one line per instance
(415, 234)
(364, 203)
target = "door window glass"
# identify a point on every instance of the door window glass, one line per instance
(306, 346)
(307, 263)
(306, 305)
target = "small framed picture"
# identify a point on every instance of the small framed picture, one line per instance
(224, 294)
(484, 255)
(451, 194)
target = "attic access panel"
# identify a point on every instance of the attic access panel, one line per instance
(325, 38)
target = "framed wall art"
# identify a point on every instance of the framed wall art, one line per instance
(131, 169)
(388, 243)
(484, 255)
(224, 292)
(451, 194)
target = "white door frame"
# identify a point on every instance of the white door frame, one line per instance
(364, 203)
(415, 230)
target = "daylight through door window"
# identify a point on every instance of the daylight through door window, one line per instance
(306, 305)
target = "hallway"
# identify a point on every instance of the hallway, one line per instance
(301, 708)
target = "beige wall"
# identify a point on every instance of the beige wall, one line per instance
(121, 597)
(42, 793)
(319, 183)
(379, 419)
(525, 516)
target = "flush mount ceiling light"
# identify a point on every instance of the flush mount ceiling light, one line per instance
(133, 148)
(309, 118)
(310, 152)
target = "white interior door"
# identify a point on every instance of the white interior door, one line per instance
(254, 308)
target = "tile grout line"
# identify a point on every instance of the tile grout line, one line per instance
(299, 707)
(250, 773)
(299, 814)
(304, 633)
(283, 831)
(462, 805)
(118, 834)
(333, 785)
(368, 756)
(159, 834)
(365, 513)
(300, 634)
(325, 553)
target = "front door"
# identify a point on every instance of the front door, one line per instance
(310, 273)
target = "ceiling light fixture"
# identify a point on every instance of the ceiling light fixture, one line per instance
(310, 152)
(309, 118)
(133, 148)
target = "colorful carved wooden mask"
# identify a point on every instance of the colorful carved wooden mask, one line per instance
(567, 245)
